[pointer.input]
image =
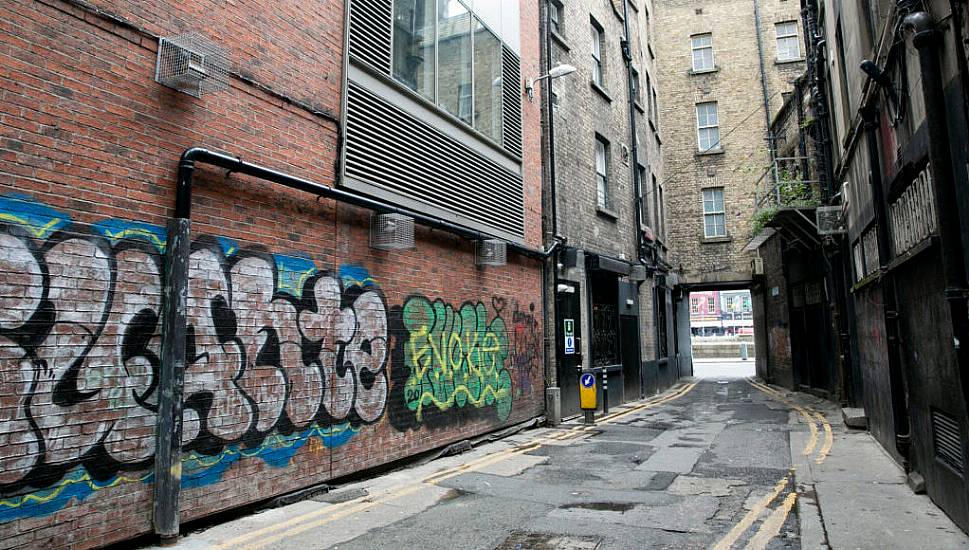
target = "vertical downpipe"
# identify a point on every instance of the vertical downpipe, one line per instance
(168, 428)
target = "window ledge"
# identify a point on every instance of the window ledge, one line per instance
(715, 69)
(607, 213)
(716, 240)
(640, 108)
(788, 61)
(560, 40)
(605, 95)
(710, 152)
(652, 124)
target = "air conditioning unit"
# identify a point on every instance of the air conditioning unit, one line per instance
(491, 252)
(191, 64)
(830, 220)
(757, 266)
(391, 232)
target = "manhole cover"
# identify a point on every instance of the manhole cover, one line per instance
(543, 541)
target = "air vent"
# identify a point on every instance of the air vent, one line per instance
(370, 28)
(511, 101)
(387, 148)
(830, 220)
(391, 232)
(948, 443)
(191, 64)
(491, 252)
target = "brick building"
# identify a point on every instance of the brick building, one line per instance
(297, 352)
(603, 204)
(725, 68)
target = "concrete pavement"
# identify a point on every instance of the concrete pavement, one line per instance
(715, 463)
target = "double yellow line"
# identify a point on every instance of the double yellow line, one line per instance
(265, 536)
(771, 526)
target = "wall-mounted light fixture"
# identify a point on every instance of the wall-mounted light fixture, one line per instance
(555, 72)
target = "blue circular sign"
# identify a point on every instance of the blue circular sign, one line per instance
(587, 380)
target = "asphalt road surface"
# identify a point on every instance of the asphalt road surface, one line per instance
(706, 464)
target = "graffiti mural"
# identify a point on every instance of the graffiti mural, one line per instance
(454, 364)
(525, 348)
(279, 353)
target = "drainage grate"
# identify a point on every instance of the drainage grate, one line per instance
(948, 442)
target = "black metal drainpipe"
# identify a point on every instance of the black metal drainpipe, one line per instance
(926, 41)
(889, 299)
(168, 468)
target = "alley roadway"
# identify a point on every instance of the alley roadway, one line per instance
(706, 464)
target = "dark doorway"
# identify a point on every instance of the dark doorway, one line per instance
(606, 344)
(568, 321)
(631, 371)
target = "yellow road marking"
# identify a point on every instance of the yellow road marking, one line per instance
(751, 516)
(304, 522)
(772, 525)
(828, 439)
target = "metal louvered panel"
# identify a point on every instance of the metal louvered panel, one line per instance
(370, 27)
(948, 443)
(511, 102)
(388, 148)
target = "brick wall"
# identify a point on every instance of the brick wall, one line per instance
(310, 355)
(736, 87)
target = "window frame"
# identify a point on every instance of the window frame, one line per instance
(598, 65)
(787, 39)
(694, 49)
(713, 213)
(603, 199)
(714, 145)
(695, 306)
(555, 17)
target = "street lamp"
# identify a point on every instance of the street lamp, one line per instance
(555, 72)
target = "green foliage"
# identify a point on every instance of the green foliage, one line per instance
(760, 220)
(791, 191)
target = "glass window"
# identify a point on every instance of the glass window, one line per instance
(714, 217)
(694, 305)
(636, 90)
(711, 304)
(702, 45)
(555, 16)
(602, 172)
(454, 58)
(708, 126)
(487, 82)
(788, 45)
(597, 53)
(413, 45)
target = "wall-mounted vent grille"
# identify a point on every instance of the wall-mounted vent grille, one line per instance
(370, 27)
(390, 149)
(491, 252)
(391, 232)
(511, 102)
(948, 443)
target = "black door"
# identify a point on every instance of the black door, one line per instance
(568, 359)
(631, 371)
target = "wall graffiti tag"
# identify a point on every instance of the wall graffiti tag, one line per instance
(278, 352)
(454, 363)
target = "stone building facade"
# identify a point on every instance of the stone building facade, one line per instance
(610, 267)
(725, 66)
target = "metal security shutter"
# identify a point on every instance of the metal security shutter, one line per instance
(370, 27)
(388, 148)
(511, 104)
